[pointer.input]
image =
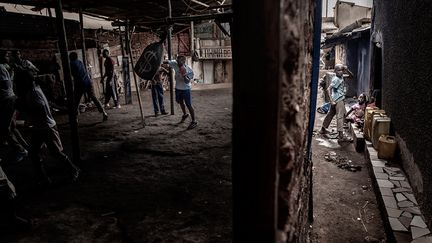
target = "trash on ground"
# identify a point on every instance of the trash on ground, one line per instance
(371, 239)
(342, 162)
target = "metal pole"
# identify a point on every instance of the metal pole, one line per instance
(135, 78)
(68, 81)
(171, 78)
(313, 94)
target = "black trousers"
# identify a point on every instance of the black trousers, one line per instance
(111, 92)
(79, 91)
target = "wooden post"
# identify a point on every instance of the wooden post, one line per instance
(84, 57)
(256, 109)
(129, 48)
(101, 66)
(125, 67)
(121, 42)
(61, 31)
(192, 37)
(192, 42)
(171, 76)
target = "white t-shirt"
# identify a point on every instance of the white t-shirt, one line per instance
(179, 79)
(6, 89)
(38, 109)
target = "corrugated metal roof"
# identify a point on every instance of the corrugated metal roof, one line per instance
(350, 32)
(15, 25)
(90, 22)
(328, 26)
(138, 11)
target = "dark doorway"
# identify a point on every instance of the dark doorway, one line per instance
(377, 75)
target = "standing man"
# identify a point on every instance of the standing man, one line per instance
(183, 78)
(7, 106)
(83, 84)
(337, 88)
(110, 84)
(157, 91)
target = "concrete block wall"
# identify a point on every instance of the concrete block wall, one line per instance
(405, 37)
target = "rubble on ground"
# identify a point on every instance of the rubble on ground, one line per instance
(342, 162)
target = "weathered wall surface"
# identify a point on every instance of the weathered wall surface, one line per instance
(405, 27)
(357, 60)
(349, 13)
(270, 119)
(294, 169)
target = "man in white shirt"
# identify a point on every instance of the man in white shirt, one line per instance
(183, 78)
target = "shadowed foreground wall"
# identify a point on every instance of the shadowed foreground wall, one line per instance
(272, 43)
(404, 30)
(294, 169)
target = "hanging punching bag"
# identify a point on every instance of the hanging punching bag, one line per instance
(150, 60)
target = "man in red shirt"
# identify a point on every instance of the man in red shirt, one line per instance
(110, 83)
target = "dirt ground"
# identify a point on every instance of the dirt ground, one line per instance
(161, 183)
(345, 205)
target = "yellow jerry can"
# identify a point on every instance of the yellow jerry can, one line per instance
(386, 147)
(380, 126)
(368, 121)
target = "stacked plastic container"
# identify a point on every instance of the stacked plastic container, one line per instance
(377, 130)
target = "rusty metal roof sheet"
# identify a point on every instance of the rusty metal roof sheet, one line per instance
(137, 11)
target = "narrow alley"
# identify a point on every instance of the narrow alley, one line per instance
(345, 205)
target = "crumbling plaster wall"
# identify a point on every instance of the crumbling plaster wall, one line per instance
(405, 27)
(294, 169)
(349, 13)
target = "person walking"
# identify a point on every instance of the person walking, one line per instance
(8, 100)
(337, 88)
(43, 129)
(83, 84)
(110, 83)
